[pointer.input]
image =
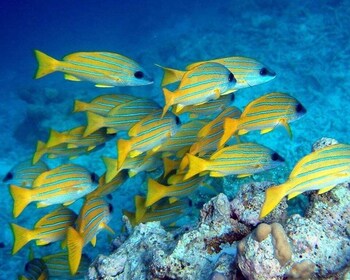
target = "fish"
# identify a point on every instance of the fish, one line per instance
(320, 170)
(63, 184)
(102, 104)
(105, 187)
(209, 136)
(148, 134)
(248, 71)
(122, 117)
(35, 269)
(169, 165)
(58, 266)
(104, 69)
(179, 187)
(133, 165)
(24, 173)
(212, 107)
(50, 228)
(203, 83)
(241, 159)
(265, 114)
(181, 142)
(74, 138)
(93, 217)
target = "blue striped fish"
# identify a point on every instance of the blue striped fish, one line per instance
(265, 114)
(63, 184)
(122, 117)
(201, 84)
(320, 170)
(105, 69)
(102, 104)
(93, 217)
(24, 173)
(50, 228)
(148, 134)
(248, 72)
(241, 159)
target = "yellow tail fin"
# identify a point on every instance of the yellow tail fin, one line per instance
(75, 245)
(80, 106)
(169, 100)
(21, 198)
(204, 130)
(124, 147)
(273, 196)
(230, 127)
(111, 168)
(171, 75)
(55, 138)
(140, 207)
(21, 237)
(46, 64)
(155, 192)
(196, 165)
(95, 122)
(40, 151)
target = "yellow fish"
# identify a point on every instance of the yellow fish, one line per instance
(105, 69)
(320, 170)
(102, 104)
(74, 138)
(63, 184)
(241, 159)
(265, 114)
(93, 217)
(148, 134)
(122, 117)
(248, 72)
(52, 227)
(35, 269)
(24, 173)
(207, 81)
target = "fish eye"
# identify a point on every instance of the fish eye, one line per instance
(264, 71)
(94, 177)
(231, 78)
(9, 176)
(139, 75)
(300, 108)
(110, 207)
(177, 120)
(276, 157)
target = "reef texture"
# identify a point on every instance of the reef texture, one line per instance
(230, 242)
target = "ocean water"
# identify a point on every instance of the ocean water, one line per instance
(304, 42)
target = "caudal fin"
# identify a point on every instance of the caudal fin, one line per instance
(21, 237)
(273, 197)
(55, 138)
(230, 127)
(95, 122)
(124, 148)
(169, 100)
(21, 198)
(171, 75)
(111, 168)
(46, 64)
(41, 149)
(155, 192)
(75, 245)
(80, 106)
(196, 165)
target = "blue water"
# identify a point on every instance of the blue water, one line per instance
(307, 44)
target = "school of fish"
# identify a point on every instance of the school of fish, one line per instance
(190, 139)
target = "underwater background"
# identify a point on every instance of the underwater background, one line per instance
(304, 42)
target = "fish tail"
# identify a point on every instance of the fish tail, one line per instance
(40, 151)
(80, 106)
(21, 237)
(230, 127)
(46, 64)
(140, 208)
(183, 163)
(111, 168)
(75, 245)
(94, 122)
(171, 75)
(169, 100)
(204, 131)
(196, 165)
(273, 197)
(124, 147)
(55, 138)
(21, 198)
(155, 192)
